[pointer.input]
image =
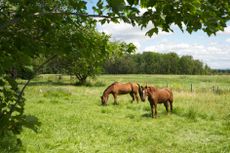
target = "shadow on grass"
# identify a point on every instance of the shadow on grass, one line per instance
(60, 83)
(160, 114)
(193, 114)
(189, 114)
(31, 122)
(41, 83)
(147, 115)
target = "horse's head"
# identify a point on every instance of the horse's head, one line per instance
(143, 93)
(104, 100)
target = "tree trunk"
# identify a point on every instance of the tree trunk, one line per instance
(81, 79)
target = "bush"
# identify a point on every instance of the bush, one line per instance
(12, 104)
(11, 107)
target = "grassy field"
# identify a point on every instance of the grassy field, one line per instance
(73, 120)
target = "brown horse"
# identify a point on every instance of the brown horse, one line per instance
(157, 96)
(117, 88)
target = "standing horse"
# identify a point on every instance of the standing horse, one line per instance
(117, 88)
(157, 96)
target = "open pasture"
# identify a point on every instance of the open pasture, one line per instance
(73, 120)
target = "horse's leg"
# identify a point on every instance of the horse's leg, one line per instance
(115, 99)
(171, 105)
(155, 107)
(166, 106)
(151, 106)
(131, 94)
(136, 96)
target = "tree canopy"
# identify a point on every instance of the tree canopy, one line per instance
(190, 15)
(155, 63)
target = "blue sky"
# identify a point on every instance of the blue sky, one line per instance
(211, 50)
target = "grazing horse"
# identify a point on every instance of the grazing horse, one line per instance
(117, 88)
(157, 96)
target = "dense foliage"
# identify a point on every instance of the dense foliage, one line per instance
(222, 71)
(207, 15)
(11, 106)
(83, 66)
(155, 63)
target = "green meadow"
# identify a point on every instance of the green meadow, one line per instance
(73, 119)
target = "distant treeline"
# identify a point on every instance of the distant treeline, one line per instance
(221, 71)
(155, 63)
(144, 63)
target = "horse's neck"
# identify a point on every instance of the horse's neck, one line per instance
(151, 90)
(107, 92)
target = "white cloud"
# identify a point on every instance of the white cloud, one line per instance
(226, 31)
(126, 32)
(228, 40)
(151, 48)
(181, 46)
(143, 10)
(215, 55)
(137, 44)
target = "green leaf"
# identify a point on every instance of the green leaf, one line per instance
(116, 5)
(133, 2)
(103, 21)
(152, 31)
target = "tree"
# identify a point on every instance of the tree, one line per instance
(99, 48)
(207, 15)
(171, 63)
(186, 65)
(85, 65)
(156, 63)
(121, 65)
(29, 29)
(120, 60)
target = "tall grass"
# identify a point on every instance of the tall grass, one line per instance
(73, 119)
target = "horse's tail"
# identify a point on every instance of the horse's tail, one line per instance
(140, 90)
(171, 93)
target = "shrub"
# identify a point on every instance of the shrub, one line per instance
(11, 110)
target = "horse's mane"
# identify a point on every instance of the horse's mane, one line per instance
(152, 89)
(139, 89)
(110, 86)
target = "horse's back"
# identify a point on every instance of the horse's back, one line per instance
(164, 94)
(122, 88)
(170, 93)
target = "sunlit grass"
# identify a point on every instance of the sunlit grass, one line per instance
(73, 120)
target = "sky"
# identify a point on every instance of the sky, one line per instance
(211, 50)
